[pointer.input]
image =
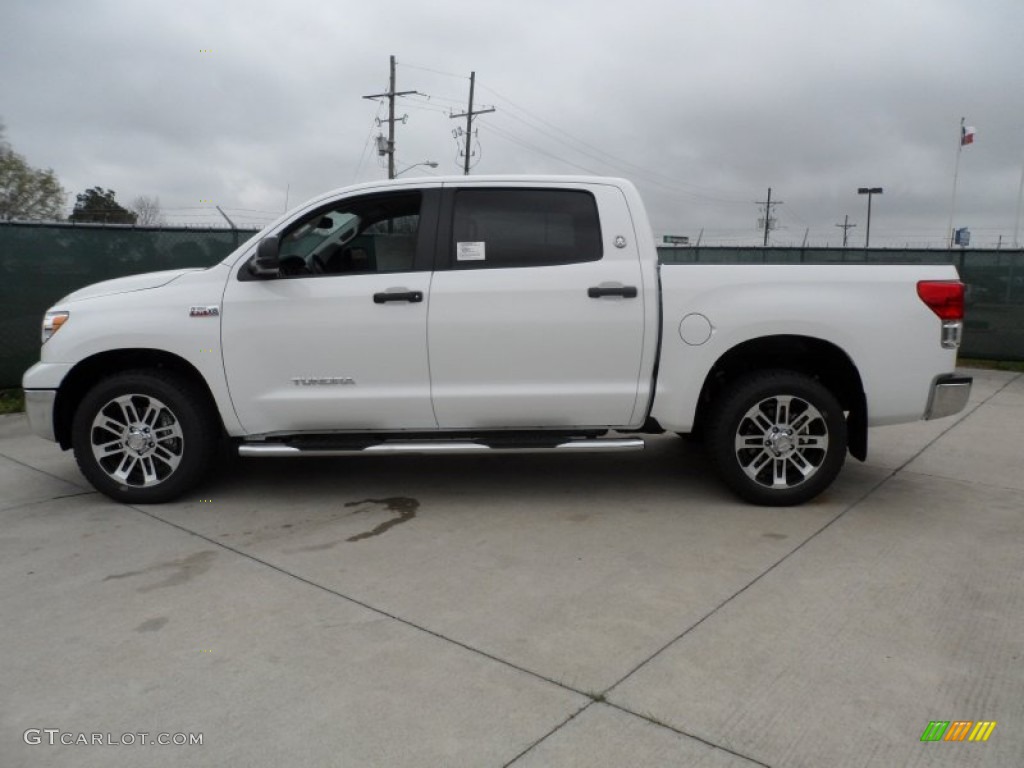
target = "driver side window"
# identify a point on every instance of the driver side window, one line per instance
(363, 235)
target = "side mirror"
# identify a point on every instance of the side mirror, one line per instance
(267, 261)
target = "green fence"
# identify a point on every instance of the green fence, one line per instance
(41, 263)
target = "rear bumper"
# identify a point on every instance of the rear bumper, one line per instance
(948, 396)
(39, 409)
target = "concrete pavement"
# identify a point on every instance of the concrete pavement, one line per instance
(528, 611)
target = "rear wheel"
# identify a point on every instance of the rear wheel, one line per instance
(144, 437)
(777, 438)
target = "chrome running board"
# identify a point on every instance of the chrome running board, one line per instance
(280, 450)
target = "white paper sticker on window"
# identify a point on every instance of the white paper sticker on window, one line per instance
(469, 252)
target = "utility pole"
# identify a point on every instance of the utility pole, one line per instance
(769, 222)
(391, 93)
(469, 114)
(845, 226)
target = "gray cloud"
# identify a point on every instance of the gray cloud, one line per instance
(703, 105)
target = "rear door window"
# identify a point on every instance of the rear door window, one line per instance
(501, 228)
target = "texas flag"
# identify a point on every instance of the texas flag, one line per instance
(966, 135)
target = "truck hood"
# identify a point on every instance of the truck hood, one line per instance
(127, 284)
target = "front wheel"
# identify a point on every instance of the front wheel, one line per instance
(777, 438)
(143, 436)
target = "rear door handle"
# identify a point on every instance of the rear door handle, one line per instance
(411, 296)
(625, 291)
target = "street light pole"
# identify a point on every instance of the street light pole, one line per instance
(428, 163)
(869, 191)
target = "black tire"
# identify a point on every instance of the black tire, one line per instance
(144, 437)
(777, 438)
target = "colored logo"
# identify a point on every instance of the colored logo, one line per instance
(958, 730)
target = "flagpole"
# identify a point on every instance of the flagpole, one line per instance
(956, 174)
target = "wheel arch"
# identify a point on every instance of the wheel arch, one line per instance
(811, 356)
(87, 372)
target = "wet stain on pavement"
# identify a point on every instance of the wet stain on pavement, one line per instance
(774, 535)
(402, 507)
(182, 570)
(152, 625)
(315, 547)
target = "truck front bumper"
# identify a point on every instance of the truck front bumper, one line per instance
(948, 396)
(41, 383)
(39, 409)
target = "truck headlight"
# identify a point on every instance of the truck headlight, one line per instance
(52, 322)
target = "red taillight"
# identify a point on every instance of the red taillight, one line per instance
(944, 297)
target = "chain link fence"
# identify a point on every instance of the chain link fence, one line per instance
(40, 263)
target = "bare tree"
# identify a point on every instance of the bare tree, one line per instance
(148, 210)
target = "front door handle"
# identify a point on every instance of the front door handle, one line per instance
(625, 291)
(411, 296)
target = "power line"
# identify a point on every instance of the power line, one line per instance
(613, 160)
(630, 168)
(431, 97)
(516, 140)
(428, 108)
(434, 71)
(557, 134)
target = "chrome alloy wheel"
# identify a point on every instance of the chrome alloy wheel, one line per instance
(137, 440)
(781, 442)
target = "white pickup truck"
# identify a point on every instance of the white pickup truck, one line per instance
(490, 314)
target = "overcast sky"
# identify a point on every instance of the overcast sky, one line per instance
(704, 105)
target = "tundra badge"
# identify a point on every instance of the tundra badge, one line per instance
(313, 381)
